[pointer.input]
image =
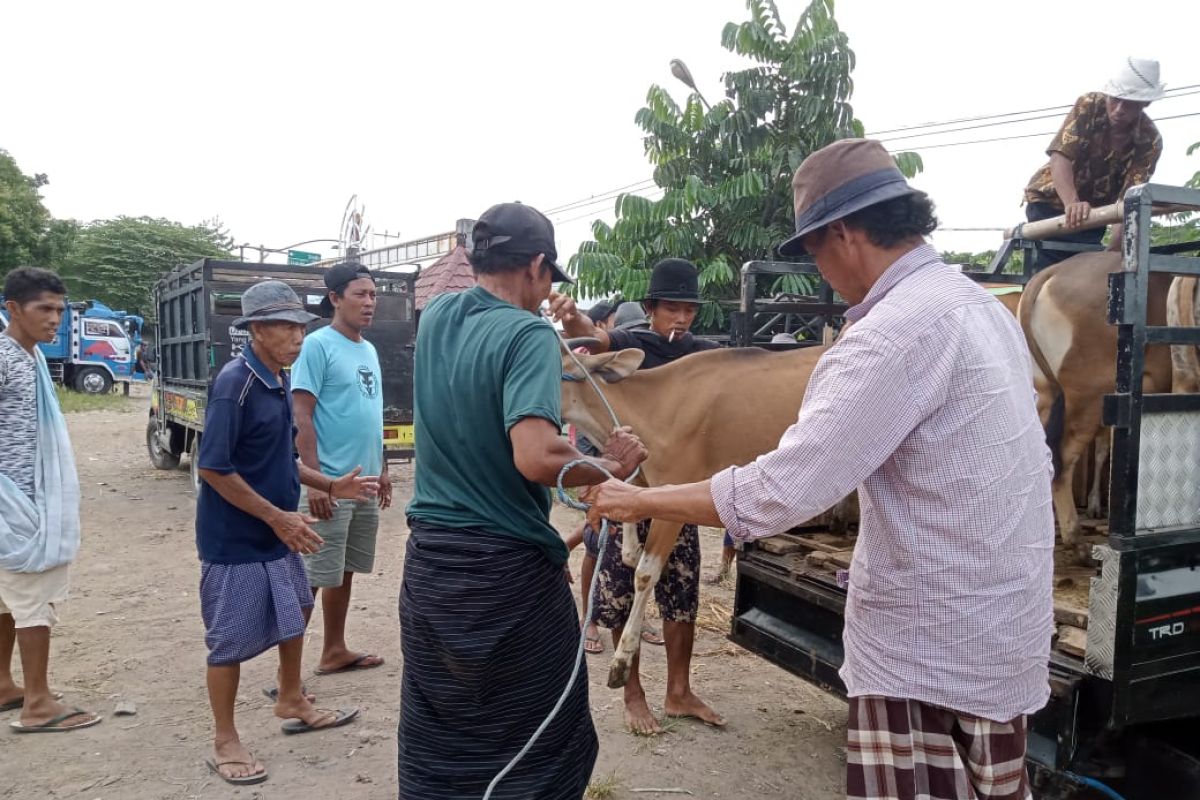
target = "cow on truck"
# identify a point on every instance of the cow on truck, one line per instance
(196, 305)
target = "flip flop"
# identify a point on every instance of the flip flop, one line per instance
(245, 780)
(300, 726)
(13, 705)
(593, 645)
(272, 694)
(52, 726)
(353, 666)
(651, 636)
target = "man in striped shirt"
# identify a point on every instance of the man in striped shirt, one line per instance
(925, 406)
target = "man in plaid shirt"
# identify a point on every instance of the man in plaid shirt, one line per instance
(926, 406)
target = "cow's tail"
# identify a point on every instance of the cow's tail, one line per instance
(1056, 421)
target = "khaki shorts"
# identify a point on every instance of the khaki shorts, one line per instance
(31, 597)
(349, 542)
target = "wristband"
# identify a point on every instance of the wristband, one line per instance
(329, 491)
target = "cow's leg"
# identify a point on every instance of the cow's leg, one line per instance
(1082, 418)
(631, 546)
(659, 544)
(1102, 447)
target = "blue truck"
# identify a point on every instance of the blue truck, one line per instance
(94, 348)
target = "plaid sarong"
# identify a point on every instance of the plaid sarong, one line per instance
(909, 750)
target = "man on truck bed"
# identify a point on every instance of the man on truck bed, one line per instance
(1106, 144)
(925, 405)
(337, 388)
(254, 594)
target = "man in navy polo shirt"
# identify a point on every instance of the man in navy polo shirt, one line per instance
(253, 590)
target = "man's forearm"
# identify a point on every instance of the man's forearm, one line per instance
(582, 474)
(234, 489)
(306, 443)
(1062, 171)
(313, 478)
(687, 503)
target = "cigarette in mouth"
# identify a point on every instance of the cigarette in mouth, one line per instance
(671, 338)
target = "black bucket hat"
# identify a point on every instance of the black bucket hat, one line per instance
(675, 279)
(338, 277)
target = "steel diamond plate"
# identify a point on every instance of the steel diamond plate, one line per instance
(1168, 494)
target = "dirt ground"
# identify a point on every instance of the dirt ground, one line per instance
(132, 631)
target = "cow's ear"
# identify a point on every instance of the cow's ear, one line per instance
(619, 365)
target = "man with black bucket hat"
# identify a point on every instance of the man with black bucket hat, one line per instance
(488, 628)
(925, 405)
(671, 305)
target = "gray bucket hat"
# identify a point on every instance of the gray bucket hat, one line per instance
(272, 301)
(629, 315)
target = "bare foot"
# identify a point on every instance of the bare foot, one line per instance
(721, 576)
(638, 717)
(11, 693)
(233, 761)
(689, 705)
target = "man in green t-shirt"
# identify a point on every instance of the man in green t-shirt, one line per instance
(488, 627)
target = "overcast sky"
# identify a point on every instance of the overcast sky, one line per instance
(271, 115)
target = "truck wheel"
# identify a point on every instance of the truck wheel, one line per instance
(92, 380)
(160, 457)
(194, 457)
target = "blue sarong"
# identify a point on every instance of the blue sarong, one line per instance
(249, 608)
(41, 534)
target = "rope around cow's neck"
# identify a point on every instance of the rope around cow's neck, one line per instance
(576, 504)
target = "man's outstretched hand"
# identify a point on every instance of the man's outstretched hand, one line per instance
(614, 500)
(355, 486)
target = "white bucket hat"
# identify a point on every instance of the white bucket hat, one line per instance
(1137, 80)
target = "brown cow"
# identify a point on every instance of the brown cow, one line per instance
(1063, 312)
(1181, 312)
(697, 416)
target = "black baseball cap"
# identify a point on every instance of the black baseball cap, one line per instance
(518, 229)
(339, 276)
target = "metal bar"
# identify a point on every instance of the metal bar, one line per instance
(1161, 334)
(1179, 265)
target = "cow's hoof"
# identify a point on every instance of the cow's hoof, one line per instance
(618, 673)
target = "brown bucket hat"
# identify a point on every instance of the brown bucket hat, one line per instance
(839, 179)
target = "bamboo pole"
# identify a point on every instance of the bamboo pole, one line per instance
(1098, 218)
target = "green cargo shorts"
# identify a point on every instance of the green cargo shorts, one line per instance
(349, 542)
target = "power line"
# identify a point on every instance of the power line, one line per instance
(1025, 135)
(1178, 91)
(923, 125)
(585, 200)
(652, 196)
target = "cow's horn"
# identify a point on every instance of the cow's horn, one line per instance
(583, 341)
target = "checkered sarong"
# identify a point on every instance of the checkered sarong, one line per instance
(908, 750)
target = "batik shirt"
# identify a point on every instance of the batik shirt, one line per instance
(1101, 175)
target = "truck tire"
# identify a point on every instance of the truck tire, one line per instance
(92, 380)
(160, 457)
(194, 458)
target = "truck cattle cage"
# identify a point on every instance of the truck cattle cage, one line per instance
(1125, 692)
(197, 304)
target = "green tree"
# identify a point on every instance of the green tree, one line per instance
(118, 261)
(725, 171)
(23, 218)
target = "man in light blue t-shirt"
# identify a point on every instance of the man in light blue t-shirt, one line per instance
(337, 392)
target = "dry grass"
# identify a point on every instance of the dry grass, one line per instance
(603, 789)
(71, 401)
(714, 616)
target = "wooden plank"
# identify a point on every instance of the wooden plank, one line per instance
(779, 545)
(1069, 614)
(1072, 640)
